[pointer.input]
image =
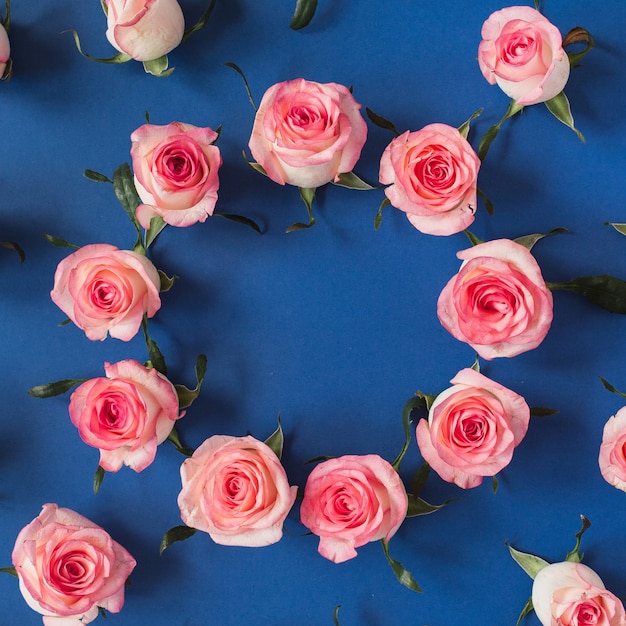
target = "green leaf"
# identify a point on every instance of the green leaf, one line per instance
(178, 533)
(559, 107)
(157, 224)
(6, 22)
(542, 411)
(412, 403)
(381, 122)
(605, 291)
(530, 563)
(9, 570)
(528, 241)
(239, 71)
(419, 479)
(186, 396)
(201, 23)
(418, 506)
(307, 195)
(379, 215)
(485, 199)
(255, 166)
(102, 612)
(61, 243)
(491, 133)
(303, 14)
(11, 245)
(97, 479)
(610, 388)
(240, 219)
(620, 228)
(578, 34)
(50, 390)
(154, 354)
(352, 181)
(403, 575)
(574, 554)
(125, 192)
(166, 282)
(336, 615)
(118, 58)
(465, 126)
(158, 67)
(317, 459)
(476, 365)
(276, 440)
(174, 439)
(528, 607)
(473, 239)
(96, 176)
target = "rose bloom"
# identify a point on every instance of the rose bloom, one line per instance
(350, 501)
(106, 290)
(126, 415)
(5, 51)
(472, 429)
(612, 459)
(498, 303)
(176, 172)
(236, 490)
(572, 594)
(432, 175)
(68, 567)
(523, 53)
(144, 29)
(307, 133)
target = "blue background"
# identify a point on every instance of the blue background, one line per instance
(334, 327)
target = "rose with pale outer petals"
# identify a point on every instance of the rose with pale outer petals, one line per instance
(176, 172)
(5, 50)
(498, 303)
(307, 133)
(523, 53)
(104, 290)
(572, 594)
(350, 501)
(144, 29)
(126, 415)
(68, 567)
(612, 459)
(472, 429)
(236, 490)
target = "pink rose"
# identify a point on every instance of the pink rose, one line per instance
(472, 429)
(144, 29)
(612, 458)
(5, 52)
(106, 290)
(572, 594)
(307, 133)
(235, 489)
(176, 172)
(522, 52)
(432, 175)
(126, 415)
(68, 567)
(350, 501)
(498, 303)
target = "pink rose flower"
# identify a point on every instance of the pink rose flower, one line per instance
(572, 594)
(612, 459)
(472, 429)
(68, 567)
(5, 51)
(106, 290)
(350, 501)
(307, 133)
(126, 415)
(523, 53)
(498, 303)
(176, 172)
(432, 175)
(236, 490)
(144, 29)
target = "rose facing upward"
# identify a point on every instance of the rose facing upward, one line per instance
(68, 567)
(307, 133)
(523, 53)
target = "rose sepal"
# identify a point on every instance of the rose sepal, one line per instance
(158, 67)
(121, 57)
(352, 181)
(12, 245)
(401, 573)
(465, 126)
(381, 122)
(419, 506)
(174, 439)
(201, 23)
(276, 440)
(578, 34)
(607, 385)
(177, 533)
(605, 291)
(49, 390)
(240, 219)
(492, 132)
(187, 396)
(9, 570)
(528, 241)
(303, 14)
(97, 479)
(560, 108)
(307, 195)
(619, 227)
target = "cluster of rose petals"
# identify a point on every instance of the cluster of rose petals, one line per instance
(432, 176)
(5, 50)
(472, 429)
(523, 53)
(104, 290)
(68, 567)
(572, 594)
(144, 29)
(612, 459)
(125, 415)
(498, 302)
(236, 490)
(350, 501)
(176, 172)
(307, 133)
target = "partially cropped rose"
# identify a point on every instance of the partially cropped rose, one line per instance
(5, 52)
(350, 501)
(307, 133)
(472, 429)
(432, 175)
(126, 415)
(144, 29)
(176, 172)
(523, 53)
(572, 594)
(68, 567)
(498, 303)
(106, 290)
(236, 490)
(612, 459)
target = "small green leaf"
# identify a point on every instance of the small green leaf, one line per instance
(50, 390)
(559, 107)
(154, 354)
(61, 243)
(201, 23)
(174, 439)
(255, 166)
(11, 245)
(492, 133)
(473, 239)
(167, 282)
(578, 35)
(178, 533)
(605, 291)
(317, 459)
(620, 228)
(307, 195)
(125, 192)
(609, 387)
(6, 22)
(352, 181)
(102, 612)
(542, 411)
(494, 484)
(403, 575)
(118, 58)
(418, 506)
(276, 440)
(185, 395)
(528, 607)
(97, 479)
(381, 122)
(158, 67)
(379, 215)
(530, 563)
(9, 570)
(157, 224)
(465, 126)
(96, 176)
(240, 219)
(412, 403)
(476, 365)
(528, 241)
(574, 554)
(239, 71)
(336, 615)
(488, 204)
(303, 13)
(419, 479)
